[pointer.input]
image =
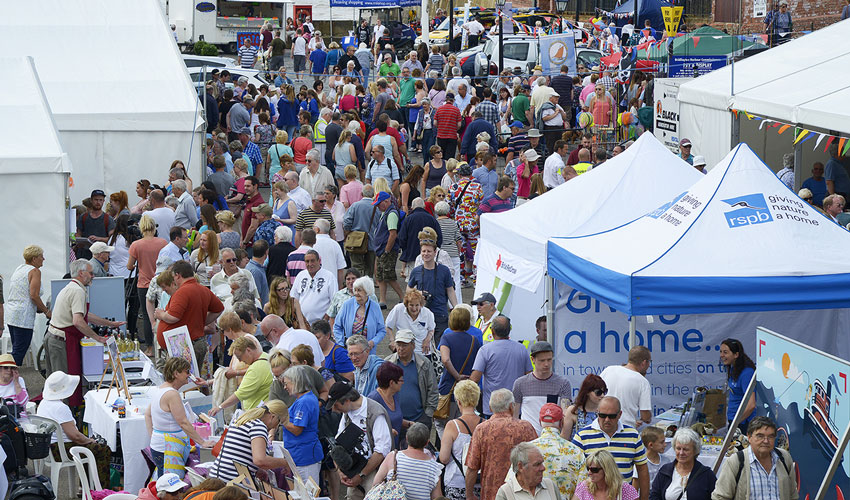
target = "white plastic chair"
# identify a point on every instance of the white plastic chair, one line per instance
(89, 480)
(193, 477)
(54, 466)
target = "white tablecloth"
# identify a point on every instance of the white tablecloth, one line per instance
(134, 434)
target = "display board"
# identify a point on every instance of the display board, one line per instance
(804, 391)
(666, 112)
(693, 66)
(106, 297)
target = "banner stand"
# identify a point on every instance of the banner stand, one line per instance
(751, 388)
(833, 465)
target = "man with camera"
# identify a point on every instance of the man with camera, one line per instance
(363, 440)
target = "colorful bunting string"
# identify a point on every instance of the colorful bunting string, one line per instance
(801, 135)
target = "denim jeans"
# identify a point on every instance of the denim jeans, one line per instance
(21, 338)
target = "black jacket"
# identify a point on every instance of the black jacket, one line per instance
(700, 483)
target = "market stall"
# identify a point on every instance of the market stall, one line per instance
(512, 247)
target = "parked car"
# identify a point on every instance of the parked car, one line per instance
(193, 61)
(196, 74)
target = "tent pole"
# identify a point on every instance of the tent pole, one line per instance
(550, 308)
(631, 329)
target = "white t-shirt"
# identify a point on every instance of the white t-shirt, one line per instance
(295, 336)
(330, 252)
(378, 32)
(380, 430)
(399, 319)
(552, 177)
(474, 27)
(631, 388)
(314, 292)
(299, 46)
(164, 218)
(58, 411)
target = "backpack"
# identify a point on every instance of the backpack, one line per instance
(31, 488)
(740, 456)
(10, 429)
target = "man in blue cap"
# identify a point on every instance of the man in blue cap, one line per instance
(385, 244)
(518, 142)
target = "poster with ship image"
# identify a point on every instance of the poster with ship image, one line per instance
(805, 392)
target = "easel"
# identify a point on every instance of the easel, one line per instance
(118, 376)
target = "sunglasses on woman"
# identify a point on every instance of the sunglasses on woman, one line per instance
(594, 470)
(600, 392)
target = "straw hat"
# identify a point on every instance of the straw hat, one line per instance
(7, 360)
(59, 385)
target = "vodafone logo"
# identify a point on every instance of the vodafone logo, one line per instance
(500, 264)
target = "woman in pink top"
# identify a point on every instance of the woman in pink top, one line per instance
(524, 172)
(144, 252)
(352, 190)
(602, 108)
(604, 480)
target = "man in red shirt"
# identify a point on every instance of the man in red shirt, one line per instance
(252, 193)
(448, 120)
(192, 305)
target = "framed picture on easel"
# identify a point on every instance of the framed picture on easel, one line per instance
(179, 343)
(119, 378)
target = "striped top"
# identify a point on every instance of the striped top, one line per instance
(625, 445)
(307, 217)
(237, 446)
(418, 476)
(248, 55)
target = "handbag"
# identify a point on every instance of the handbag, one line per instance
(357, 242)
(216, 449)
(389, 489)
(445, 401)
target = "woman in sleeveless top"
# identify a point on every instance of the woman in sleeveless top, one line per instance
(284, 207)
(601, 107)
(343, 154)
(168, 427)
(389, 377)
(435, 169)
(24, 301)
(583, 411)
(456, 437)
(415, 468)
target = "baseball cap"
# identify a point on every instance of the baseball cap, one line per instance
(685, 142)
(245, 130)
(338, 390)
(541, 346)
(100, 247)
(170, 482)
(450, 96)
(551, 413)
(484, 297)
(381, 196)
(263, 208)
(404, 336)
(516, 124)
(97, 192)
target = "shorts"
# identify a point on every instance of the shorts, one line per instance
(339, 172)
(386, 266)
(298, 63)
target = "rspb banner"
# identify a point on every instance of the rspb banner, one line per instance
(589, 335)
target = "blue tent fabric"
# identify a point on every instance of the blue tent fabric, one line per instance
(647, 9)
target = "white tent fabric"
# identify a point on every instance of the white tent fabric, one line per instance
(513, 244)
(768, 84)
(118, 89)
(33, 173)
(722, 246)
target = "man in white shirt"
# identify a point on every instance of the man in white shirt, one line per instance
(298, 194)
(299, 53)
(161, 214)
(220, 282)
(455, 82)
(329, 250)
(283, 336)
(628, 383)
(373, 420)
(314, 287)
(552, 177)
(176, 247)
(475, 29)
(377, 34)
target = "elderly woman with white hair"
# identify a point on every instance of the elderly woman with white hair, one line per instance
(425, 131)
(279, 253)
(685, 477)
(361, 315)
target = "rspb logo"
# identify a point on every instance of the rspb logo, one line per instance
(504, 265)
(747, 210)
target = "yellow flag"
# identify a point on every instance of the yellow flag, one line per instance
(671, 19)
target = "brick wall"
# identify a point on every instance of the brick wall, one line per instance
(806, 15)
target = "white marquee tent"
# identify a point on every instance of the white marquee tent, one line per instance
(804, 82)
(34, 172)
(118, 89)
(512, 246)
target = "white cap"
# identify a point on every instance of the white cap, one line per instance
(699, 160)
(531, 155)
(170, 483)
(100, 247)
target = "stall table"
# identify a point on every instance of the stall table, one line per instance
(103, 421)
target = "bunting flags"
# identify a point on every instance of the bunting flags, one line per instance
(801, 135)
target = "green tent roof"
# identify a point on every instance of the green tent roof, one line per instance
(709, 42)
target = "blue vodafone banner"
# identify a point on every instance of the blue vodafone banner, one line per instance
(557, 50)
(686, 66)
(366, 4)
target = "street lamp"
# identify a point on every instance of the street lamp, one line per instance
(500, 6)
(561, 5)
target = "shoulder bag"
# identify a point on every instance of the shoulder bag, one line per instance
(444, 403)
(357, 242)
(389, 489)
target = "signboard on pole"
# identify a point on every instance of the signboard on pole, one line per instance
(672, 15)
(759, 8)
(556, 51)
(666, 112)
(693, 66)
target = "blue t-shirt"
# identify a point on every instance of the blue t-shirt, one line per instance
(818, 189)
(396, 416)
(458, 344)
(834, 171)
(305, 447)
(338, 360)
(737, 387)
(475, 332)
(410, 396)
(318, 58)
(501, 362)
(434, 281)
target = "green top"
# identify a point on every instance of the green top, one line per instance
(406, 91)
(256, 383)
(392, 221)
(386, 70)
(519, 106)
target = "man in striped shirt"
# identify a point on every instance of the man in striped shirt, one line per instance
(622, 441)
(247, 55)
